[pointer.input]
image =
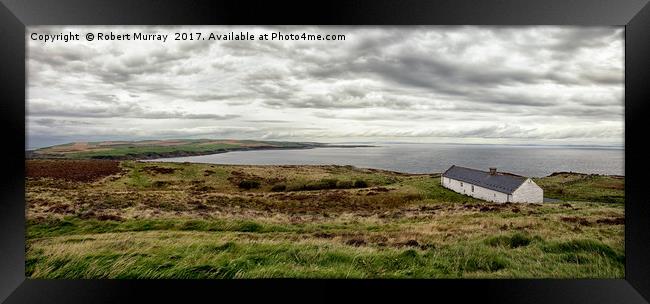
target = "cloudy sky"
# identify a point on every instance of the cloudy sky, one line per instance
(514, 85)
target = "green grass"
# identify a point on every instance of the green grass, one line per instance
(585, 246)
(432, 190)
(512, 241)
(75, 226)
(137, 179)
(583, 187)
(136, 151)
(231, 255)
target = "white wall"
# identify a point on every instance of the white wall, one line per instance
(479, 192)
(528, 192)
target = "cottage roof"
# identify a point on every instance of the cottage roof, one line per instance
(501, 182)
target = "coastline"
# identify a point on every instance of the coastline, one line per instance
(31, 154)
(272, 153)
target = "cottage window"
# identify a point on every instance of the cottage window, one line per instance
(472, 188)
(461, 184)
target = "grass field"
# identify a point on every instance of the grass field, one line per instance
(584, 187)
(177, 220)
(157, 148)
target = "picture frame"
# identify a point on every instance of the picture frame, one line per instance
(15, 15)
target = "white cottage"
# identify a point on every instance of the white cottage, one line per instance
(492, 186)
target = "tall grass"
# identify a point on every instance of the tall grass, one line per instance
(230, 255)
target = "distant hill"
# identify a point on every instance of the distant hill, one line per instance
(149, 149)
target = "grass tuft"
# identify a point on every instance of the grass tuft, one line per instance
(584, 246)
(513, 241)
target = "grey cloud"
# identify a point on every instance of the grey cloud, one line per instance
(274, 121)
(210, 97)
(247, 48)
(47, 108)
(390, 116)
(582, 37)
(209, 116)
(479, 82)
(188, 70)
(128, 110)
(194, 46)
(496, 131)
(604, 77)
(50, 122)
(335, 101)
(106, 98)
(60, 56)
(157, 61)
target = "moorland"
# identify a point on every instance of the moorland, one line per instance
(92, 218)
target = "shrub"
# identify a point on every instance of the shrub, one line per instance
(321, 184)
(324, 184)
(278, 187)
(329, 183)
(160, 184)
(295, 187)
(360, 183)
(317, 185)
(344, 184)
(249, 184)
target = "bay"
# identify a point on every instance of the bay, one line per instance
(532, 161)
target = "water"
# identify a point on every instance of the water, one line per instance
(532, 161)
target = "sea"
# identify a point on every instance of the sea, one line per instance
(531, 161)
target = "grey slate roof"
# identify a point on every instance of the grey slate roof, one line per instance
(501, 182)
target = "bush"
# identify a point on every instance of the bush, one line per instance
(295, 187)
(315, 185)
(279, 187)
(344, 184)
(360, 183)
(329, 183)
(321, 184)
(249, 184)
(160, 184)
(324, 184)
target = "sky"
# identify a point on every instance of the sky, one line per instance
(487, 85)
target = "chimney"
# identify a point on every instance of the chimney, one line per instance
(493, 171)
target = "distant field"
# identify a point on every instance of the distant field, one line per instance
(584, 187)
(157, 148)
(129, 219)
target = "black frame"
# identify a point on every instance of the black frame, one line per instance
(16, 14)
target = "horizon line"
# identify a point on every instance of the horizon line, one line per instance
(621, 146)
